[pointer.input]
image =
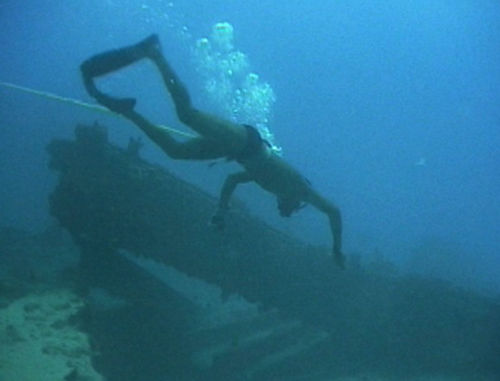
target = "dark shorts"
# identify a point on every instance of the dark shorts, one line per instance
(253, 145)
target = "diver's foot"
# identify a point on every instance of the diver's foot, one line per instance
(118, 105)
(151, 46)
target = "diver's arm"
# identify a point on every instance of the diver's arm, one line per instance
(228, 188)
(335, 219)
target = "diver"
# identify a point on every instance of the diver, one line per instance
(217, 138)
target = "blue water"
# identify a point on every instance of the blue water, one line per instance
(390, 108)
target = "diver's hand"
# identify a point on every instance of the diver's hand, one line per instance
(339, 258)
(218, 222)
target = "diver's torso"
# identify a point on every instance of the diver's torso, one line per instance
(275, 175)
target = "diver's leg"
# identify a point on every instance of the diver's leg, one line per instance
(210, 126)
(198, 148)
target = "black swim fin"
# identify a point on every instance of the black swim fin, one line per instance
(115, 59)
(118, 105)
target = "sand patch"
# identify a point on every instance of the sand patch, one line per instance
(38, 341)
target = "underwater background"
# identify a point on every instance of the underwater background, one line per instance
(389, 108)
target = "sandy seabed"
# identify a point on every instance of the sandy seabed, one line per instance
(39, 342)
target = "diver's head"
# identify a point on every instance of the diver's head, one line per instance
(287, 206)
